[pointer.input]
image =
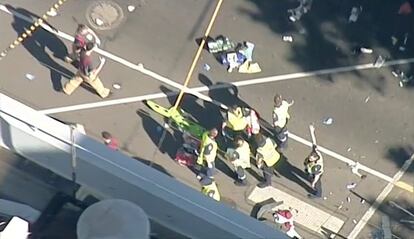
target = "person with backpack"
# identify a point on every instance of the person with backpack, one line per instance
(83, 35)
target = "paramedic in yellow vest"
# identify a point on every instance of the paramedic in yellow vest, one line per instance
(240, 158)
(280, 119)
(235, 123)
(209, 187)
(266, 158)
(314, 168)
(208, 152)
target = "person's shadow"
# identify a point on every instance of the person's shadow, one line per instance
(294, 174)
(153, 165)
(37, 44)
(205, 114)
(165, 141)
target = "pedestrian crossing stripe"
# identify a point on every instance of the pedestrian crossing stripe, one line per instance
(307, 215)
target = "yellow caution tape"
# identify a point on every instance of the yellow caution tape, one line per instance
(31, 29)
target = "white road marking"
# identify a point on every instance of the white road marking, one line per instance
(307, 215)
(103, 103)
(196, 91)
(370, 212)
(118, 59)
(348, 161)
(220, 86)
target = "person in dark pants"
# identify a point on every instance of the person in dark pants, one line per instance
(266, 158)
(280, 118)
(314, 168)
(87, 72)
(240, 158)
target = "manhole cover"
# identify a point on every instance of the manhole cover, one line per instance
(104, 15)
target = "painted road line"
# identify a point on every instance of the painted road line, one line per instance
(195, 91)
(139, 67)
(328, 71)
(307, 215)
(104, 103)
(348, 161)
(238, 84)
(379, 200)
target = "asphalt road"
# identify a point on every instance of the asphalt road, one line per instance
(371, 112)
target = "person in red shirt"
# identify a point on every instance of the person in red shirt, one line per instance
(110, 141)
(87, 72)
(83, 35)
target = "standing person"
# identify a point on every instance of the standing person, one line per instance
(235, 123)
(87, 72)
(285, 218)
(253, 124)
(314, 168)
(110, 141)
(240, 158)
(83, 35)
(280, 119)
(208, 152)
(209, 187)
(266, 158)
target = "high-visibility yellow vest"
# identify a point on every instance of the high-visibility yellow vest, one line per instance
(282, 114)
(315, 167)
(211, 188)
(236, 120)
(244, 156)
(269, 153)
(211, 156)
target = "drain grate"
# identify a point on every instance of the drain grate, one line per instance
(104, 15)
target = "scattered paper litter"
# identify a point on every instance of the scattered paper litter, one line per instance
(131, 8)
(116, 86)
(99, 22)
(30, 76)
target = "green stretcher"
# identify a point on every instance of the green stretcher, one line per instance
(178, 118)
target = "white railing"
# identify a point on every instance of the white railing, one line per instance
(112, 174)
